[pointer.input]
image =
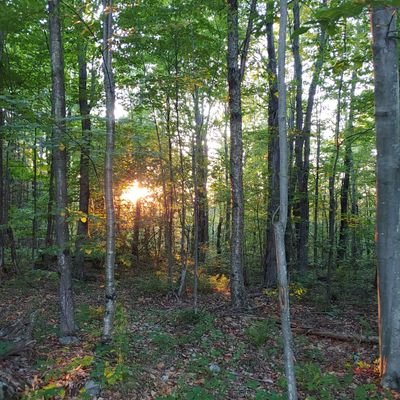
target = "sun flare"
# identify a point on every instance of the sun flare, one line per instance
(134, 192)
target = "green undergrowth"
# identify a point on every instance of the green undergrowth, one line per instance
(107, 365)
(151, 284)
(147, 335)
(110, 363)
(260, 332)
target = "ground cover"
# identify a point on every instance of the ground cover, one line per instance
(162, 350)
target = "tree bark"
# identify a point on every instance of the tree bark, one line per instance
(202, 175)
(345, 189)
(2, 192)
(228, 209)
(386, 71)
(219, 230)
(67, 323)
(169, 228)
(110, 295)
(3, 201)
(196, 250)
(316, 197)
(238, 295)
(50, 204)
(184, 236)
(35, 198)
(269, 261)
(280, 226)
(137, 223)
(84, 187)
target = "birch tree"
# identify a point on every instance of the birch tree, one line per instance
(108, 171)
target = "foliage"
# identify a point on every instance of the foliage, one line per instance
(259, 333)
(110, 366)
(166, 53)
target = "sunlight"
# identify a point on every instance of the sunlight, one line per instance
(134, 192)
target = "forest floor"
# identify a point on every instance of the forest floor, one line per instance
(162, 350)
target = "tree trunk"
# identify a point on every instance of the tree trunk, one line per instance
(219, 230)
(345, 189)
(273, 156)
(386, 70)
(238, 295)
(136, 234)
(228, 209)
(67, 323)
(298, 148)
(35, 198)
(280, 226)
(166, 204)
(332, 199)
(84, 188)
(110, 295)
(196, 228)
(50, 204)
(202, 175)
(302, 151)
(355, 245)
(2, 192)
(184, 238)
(169, 228)
(316, 196)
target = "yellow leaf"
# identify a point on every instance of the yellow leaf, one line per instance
(83, 220)
(61, 147)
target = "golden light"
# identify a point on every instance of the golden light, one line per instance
(134, 192)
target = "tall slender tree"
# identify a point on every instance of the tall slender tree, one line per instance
(273, 152)
(109, 87)
(67, 323)
(236, 157)
(2, 123)
(84, 187)
(280, 225)
(301, 209)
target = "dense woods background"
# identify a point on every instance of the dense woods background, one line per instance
(144, 137)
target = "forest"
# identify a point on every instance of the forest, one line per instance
(199, 200)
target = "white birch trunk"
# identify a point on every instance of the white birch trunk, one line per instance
(108, 173)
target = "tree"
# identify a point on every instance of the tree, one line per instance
(84, 182)
(2, 196)
(302, 143)
(67, 323)
(108, 170)
(387, 119)
(273, 153)
(280, 225)
(236, 157)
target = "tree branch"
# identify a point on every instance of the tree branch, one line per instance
(246, 42)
